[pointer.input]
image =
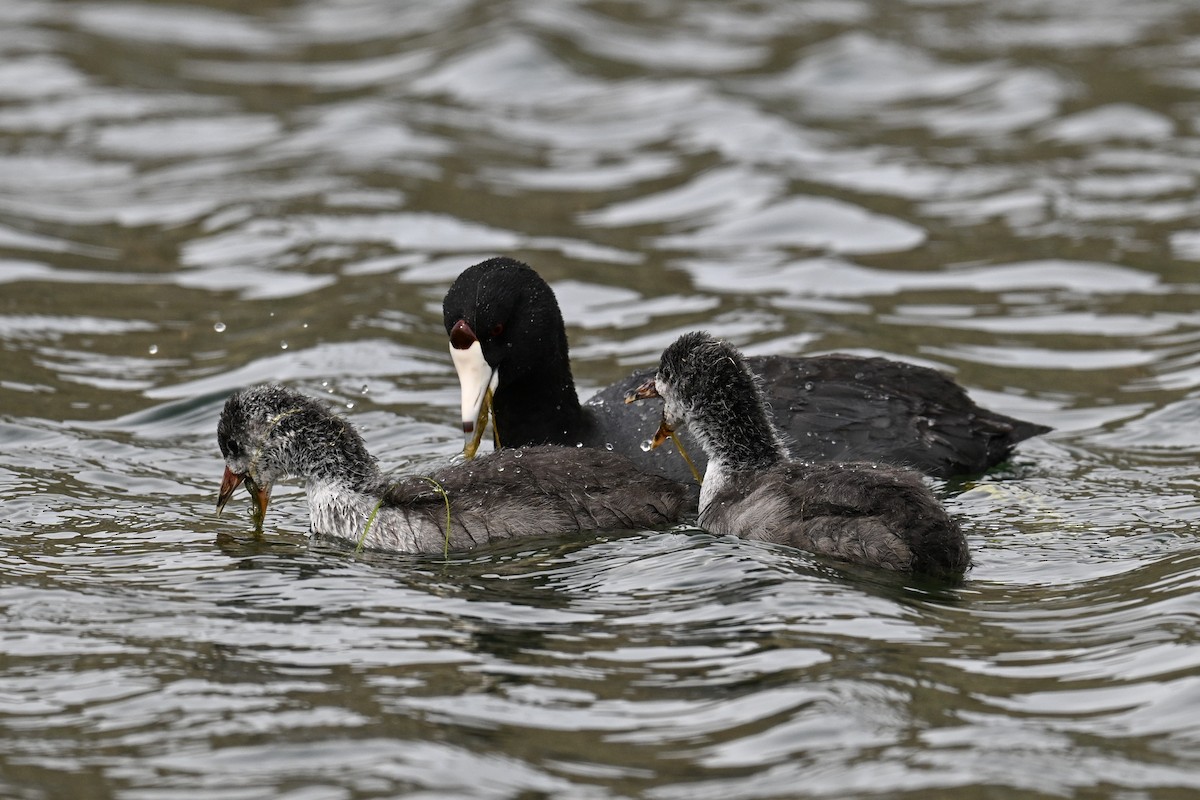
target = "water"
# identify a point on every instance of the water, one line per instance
(194, 197)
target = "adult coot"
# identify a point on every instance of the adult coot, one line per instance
(509, 347)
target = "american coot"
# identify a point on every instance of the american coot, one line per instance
(510, 349)
(859, 512)
(269, 433)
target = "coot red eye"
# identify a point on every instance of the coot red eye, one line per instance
(497, 329)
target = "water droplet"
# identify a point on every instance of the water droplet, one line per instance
(365, 389)
(500, 469)
(518, 453)
(283, 345)
(646, 446)
(272, 314)
(858, 376)
(579, 444)
(350, 404)
(808, 386)
(219, 327)
(153, 349)
(608, 446)
(305, 325)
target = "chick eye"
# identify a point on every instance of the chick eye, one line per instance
(497, 329)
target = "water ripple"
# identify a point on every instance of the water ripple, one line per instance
(198, 197)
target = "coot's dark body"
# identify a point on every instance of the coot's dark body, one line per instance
(830, 408)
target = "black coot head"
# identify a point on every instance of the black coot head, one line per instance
(513, 314)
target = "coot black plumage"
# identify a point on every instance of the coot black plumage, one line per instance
(509, 347)
(268, 433)
(858, 512)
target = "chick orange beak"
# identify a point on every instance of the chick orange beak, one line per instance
(228, 484)
(260, 494)
(644, 392)
(661, 435)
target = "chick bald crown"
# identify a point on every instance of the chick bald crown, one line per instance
(285, 434)
(721, 401)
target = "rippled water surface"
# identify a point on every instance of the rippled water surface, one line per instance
(199, 196)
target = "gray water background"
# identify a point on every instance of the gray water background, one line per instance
(199, 196)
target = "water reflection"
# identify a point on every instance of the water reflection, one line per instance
(1003, 191)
